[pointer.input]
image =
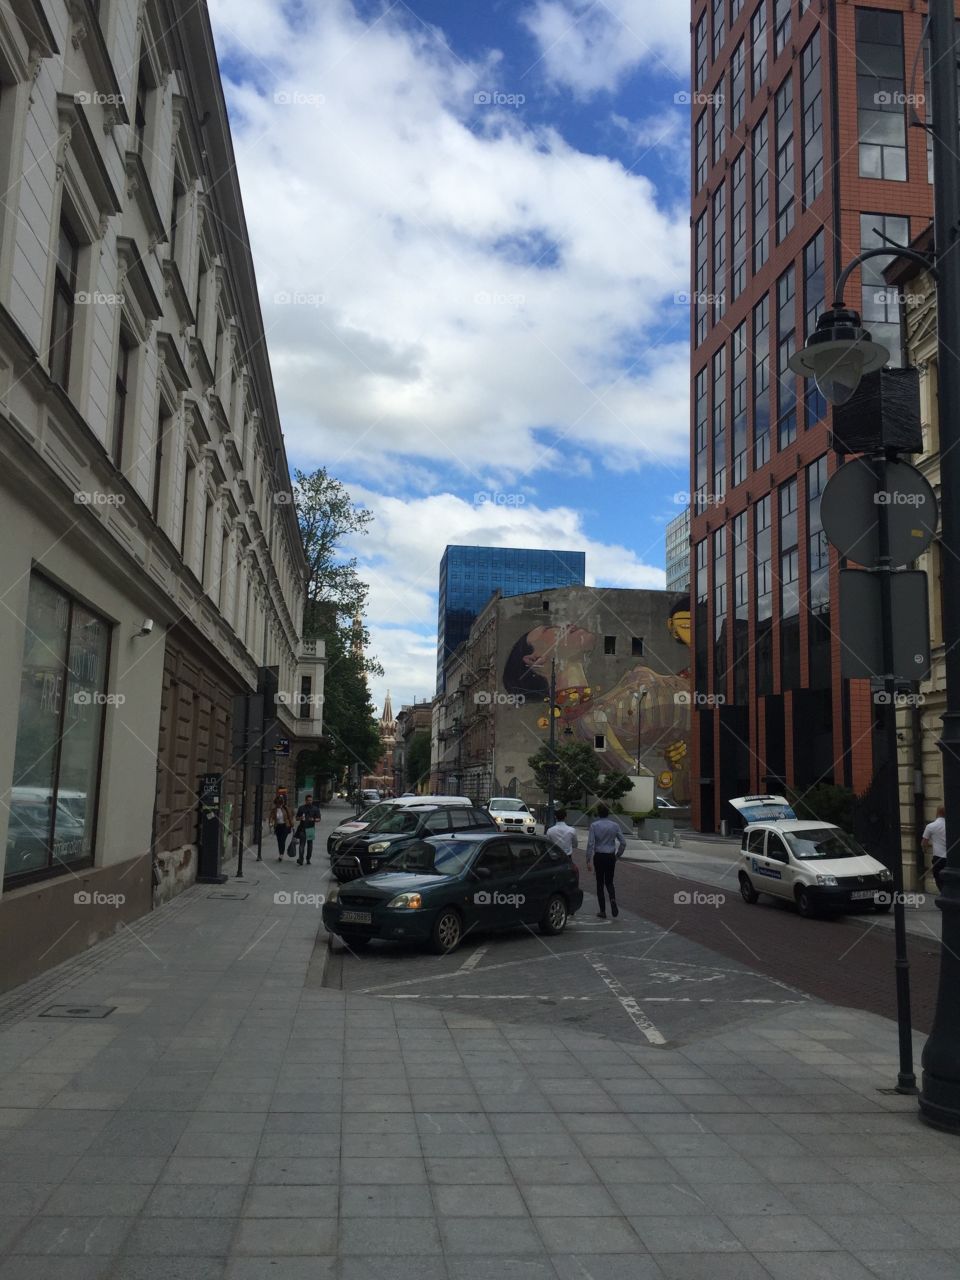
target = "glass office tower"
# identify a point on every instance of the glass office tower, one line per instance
(470, 575)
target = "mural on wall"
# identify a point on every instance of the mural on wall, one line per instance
(590, 711)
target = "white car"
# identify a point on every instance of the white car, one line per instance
(354, 826)
(817, 865)
(511, 814)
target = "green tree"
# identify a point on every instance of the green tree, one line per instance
(576, 768)
(613, 786)
(418, 758)
(335, 598)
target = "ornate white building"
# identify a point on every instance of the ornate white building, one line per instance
(152, 567)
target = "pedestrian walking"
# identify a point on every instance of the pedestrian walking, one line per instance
(282, 822)
(605, 844)
(934, 840)
(307, 816)
(562, 835)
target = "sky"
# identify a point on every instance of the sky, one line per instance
(470, 227)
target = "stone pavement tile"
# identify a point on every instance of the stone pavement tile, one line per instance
(697, 1233)
(36, 1168)
(595, 1122)
(917, 1264)
(117, 1169)
(32, 1141)
(97, 1199)
(529, 1268)
(604, 1266)
(73, 1235)
(191, 1237)
(862, 1231)
(306, 1122)
(616, 1144)
(285, 1237)
(768, 1144)
(939, 1230)
(630, 1169)
(816, 1266)
(24, 1199)
(599, 1234)
(779, 1232)
(314, 1101)
(758, 1198)
(668, 1122)
(390, 1237)
(371, 1267)
(898, 1195)
(702, 1145)
(258, 1100)
(554, 1201)
(291, 1202)
(13, 1117)
(221, 1170)
(556, 1169)
(192, 1145)
(288, 1144)
(151, 1134)
(796, 1169)
(292, 1170)
(378, 1144)
(455, 1104)
(10, 1228)
(656, 1198)
(390, 1201)
(527, 1124)
(474, 1170)
(45, 1267)
(866, 1169)
(226, 1122)
(844, 1145)
(479, 1236)
(168, 1267)
(195, 1200)
(538, 1144)
(470, 1122)
(710, 1266)
(396, 1169)
(742, 1125)
(486, 1200)
(459, 1145)
(838, 1197)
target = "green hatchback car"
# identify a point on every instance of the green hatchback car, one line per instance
(437, 889)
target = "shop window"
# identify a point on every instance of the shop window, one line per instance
(53, 799)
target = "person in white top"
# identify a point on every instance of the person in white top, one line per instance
(934, 838)
(562, 835)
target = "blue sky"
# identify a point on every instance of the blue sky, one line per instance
(469, 223)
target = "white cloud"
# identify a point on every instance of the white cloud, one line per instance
(403, 216)
(591, 47)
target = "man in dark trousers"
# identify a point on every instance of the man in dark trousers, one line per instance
(605, 844)
(307, 817)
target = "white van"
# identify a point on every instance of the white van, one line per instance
(354, 826)
(817, 865)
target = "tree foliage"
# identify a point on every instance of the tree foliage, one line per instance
(576, 769)
(336, 595)
(613, 786)
(418, 758)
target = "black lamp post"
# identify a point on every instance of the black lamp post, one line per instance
(837, 355)
(552, 747)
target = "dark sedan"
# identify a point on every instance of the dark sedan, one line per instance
(438, 889)
(366, 852)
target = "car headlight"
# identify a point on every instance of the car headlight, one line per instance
(333, 894)
(886, 875)
(828, 880)
(413, 901)
(380, 847)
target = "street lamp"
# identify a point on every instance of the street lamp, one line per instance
(837, 355)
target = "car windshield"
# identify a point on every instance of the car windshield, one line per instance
(397, 822)
(444, 858)
(378, 811)
(825, 842)
(508, 805)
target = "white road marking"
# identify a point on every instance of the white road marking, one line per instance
(472, 961)
(443, 995)
(627, 1002)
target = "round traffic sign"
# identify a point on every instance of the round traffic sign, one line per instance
(852, 502)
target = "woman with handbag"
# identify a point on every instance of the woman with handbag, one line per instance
(282, 822)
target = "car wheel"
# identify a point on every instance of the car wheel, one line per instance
(805, 903)
(447, 932)
(554, 919)
(747, 891)
(355, 941)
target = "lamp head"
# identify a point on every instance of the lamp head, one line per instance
(838, 354)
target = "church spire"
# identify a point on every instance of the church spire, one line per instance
(387, 717)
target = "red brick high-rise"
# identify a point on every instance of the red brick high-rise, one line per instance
(802, 151)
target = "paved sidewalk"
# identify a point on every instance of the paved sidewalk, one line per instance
(231, 1119)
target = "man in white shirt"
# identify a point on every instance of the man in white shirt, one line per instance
(934, 839)
(562, 835)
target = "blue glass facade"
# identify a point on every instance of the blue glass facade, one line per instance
(470, 575)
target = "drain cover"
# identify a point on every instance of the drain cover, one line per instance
(228, 895)
(78, 1011)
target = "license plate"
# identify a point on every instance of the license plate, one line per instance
(864, 893)
(356, 917)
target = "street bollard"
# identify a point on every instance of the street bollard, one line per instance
(676, 841)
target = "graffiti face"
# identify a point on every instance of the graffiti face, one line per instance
(564, 643)
(678, 624)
